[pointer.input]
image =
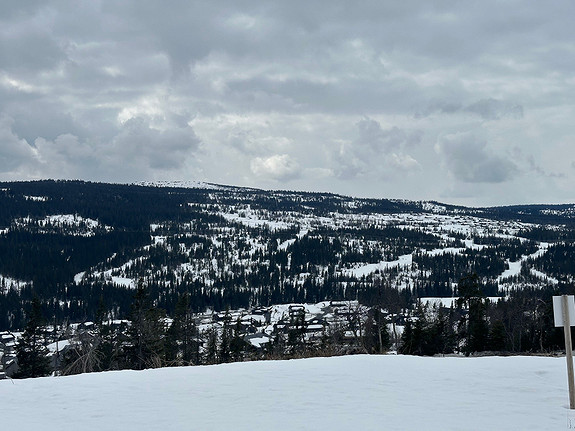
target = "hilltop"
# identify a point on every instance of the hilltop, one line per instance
(359, 392)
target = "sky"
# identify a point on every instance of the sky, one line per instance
(467, 103)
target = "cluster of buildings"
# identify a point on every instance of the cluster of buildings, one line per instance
(8, 364)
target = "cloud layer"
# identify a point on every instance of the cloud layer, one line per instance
(421, 100)
(467, 159)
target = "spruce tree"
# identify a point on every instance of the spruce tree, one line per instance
(376, 338)
(211, 352)
(31, 353)
(225, 353)
(473, 327)
(497, 336)
(406, 346)
(146, 332)
(182, 346)
(237, 344)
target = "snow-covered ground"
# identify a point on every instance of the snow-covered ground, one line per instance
(353, 392)
(184, 184)
(515, 267)
(79, 225)
(364, 270)
(7, 283)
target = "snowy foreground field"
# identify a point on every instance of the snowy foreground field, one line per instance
(343, 393)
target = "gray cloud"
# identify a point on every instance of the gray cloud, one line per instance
(443, 107)
(492, 109)
(14, 151)
(158, 149)
(371, 134)
(376, 151)
(138, 151)
(486, 109)
(530, 165)
(248, 142)
(468, 159)
(136, 89)
(31, 47)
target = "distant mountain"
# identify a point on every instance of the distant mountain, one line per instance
(77, 245)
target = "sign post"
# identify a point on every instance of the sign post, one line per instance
(564, 314)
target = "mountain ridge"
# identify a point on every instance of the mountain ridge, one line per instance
(241, 247)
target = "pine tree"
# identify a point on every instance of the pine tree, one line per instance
(182, 347)
(211, 352)
(237, 343)
(443, 335)
(497, 336)
(406, 346)
(146, 332)
(376, 338)
(31, 353)
(473, 328)
(296, 333)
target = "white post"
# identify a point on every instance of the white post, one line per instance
(568, 350)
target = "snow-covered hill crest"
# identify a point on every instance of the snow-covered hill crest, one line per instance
(354, 392)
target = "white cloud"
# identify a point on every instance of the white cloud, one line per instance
(404, 162)
(279, 167)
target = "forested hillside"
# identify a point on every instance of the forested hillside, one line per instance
(73, 243)
(80, 248)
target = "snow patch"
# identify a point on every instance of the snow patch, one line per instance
(515, 267)
(364, 270)
(7, 284)
(72, 224)
(36, 198)
(184, 185)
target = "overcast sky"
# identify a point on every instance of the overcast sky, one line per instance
(461, 102)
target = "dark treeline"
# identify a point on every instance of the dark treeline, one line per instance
(520, 323)
(121, 206)
(148, 340)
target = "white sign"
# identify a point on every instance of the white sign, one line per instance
(558, 310)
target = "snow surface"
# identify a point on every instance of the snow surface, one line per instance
(185, 185)
(342, 393)
(83, 226)
(252, 221)
(543, 276)
(365, 270)
(36, 198)
(7, 283)
(515, 267)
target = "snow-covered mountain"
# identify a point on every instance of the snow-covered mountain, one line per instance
(73, 243)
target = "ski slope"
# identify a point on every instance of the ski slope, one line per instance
(340, 393)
